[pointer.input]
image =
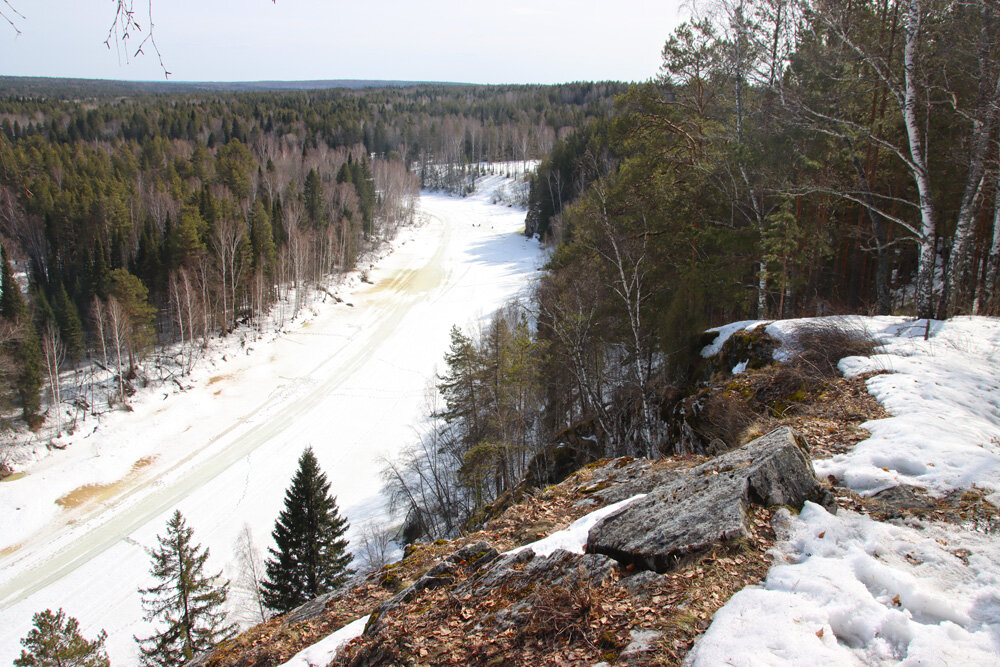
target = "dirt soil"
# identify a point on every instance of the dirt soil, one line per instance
(579, 623)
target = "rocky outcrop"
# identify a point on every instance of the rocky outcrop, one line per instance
(707, 504)
(654, 573)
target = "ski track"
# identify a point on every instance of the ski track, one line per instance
(351, 383)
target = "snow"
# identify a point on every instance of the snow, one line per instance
(322, 652)
(351, 382)
(944, 397)
(725, 332)
(845, 589)
(943, 394)
(574, 537)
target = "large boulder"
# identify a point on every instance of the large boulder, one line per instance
(707, 504)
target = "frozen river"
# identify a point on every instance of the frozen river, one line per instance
(352, 382)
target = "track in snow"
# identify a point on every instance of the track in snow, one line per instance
(351, 384)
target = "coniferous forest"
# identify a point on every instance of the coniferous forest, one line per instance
(139, 219)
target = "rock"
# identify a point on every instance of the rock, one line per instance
(538, 577)
(707, 504)
(624, 480)
(641, 645)
(640, 582)
(523, 570)
(310, 609)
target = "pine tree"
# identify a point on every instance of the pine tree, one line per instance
(312, 193)
(29, 378)
(12, 305)
(70, 327)
(187, 603)
(55, 641)
(311, 556)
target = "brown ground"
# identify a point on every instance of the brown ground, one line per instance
(580, 623)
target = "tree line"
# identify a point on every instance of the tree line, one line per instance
(137, 221)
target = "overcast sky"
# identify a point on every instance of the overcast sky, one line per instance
(518, 41)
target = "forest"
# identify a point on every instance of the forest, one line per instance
(134, 220)
(793, 158)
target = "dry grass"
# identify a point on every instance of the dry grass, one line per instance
(820, 345)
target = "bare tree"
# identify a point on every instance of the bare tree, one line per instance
(228, 242)
(117, 330)
(376, 545)
(251, 573)
(55, 354)
(625, 256)
(97, 314)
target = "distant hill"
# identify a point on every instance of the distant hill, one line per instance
(60, 87)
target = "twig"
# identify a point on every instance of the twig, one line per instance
(8, 19)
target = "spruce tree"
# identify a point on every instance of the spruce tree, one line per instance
(12, 305)
(311, 556)
(70, 327)
(186, 602)
(29, 378)
(55, 641)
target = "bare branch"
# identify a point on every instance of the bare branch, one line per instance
(6, 14)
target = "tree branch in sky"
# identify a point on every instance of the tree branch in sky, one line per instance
(9, 14)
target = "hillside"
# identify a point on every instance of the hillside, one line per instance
(888, 555)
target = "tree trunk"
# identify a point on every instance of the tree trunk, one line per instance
(928, 223)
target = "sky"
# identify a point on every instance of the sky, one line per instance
(470, 41)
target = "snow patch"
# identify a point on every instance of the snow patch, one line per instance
(850, 590)
(944, 397)
(574, 537)
(846, 589)
(324, 651)
(725, 333)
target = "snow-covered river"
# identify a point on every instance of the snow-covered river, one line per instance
(351, 382)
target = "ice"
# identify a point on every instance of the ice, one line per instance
(349, 381)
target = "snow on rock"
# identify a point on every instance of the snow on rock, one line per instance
(944, 397)
(323, 651)
(943, 393)
(574, 537)
(849, 590)
(725, 332)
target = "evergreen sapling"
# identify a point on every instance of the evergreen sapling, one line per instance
(55, 641)
(311, 556)
(186, 603)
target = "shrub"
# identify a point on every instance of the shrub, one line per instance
(819, 345)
